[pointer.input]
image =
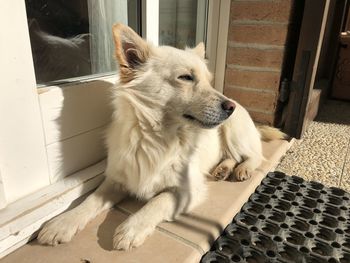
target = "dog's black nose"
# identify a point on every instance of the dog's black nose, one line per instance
(228, 107)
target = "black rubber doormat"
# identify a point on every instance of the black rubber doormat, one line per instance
(287, 220)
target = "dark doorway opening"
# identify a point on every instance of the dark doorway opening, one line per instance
(315, 69)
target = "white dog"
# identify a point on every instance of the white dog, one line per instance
(169, 130)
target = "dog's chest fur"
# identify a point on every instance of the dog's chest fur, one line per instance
(147, 159)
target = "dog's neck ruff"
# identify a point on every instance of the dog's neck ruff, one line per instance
(148, 145)
(145, 111)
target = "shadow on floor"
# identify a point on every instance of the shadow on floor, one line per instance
(106, 230)
(186, 221)
(334, 111)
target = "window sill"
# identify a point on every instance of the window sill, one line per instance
(24, 217)
(184, 240)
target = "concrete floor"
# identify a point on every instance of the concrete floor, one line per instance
(323, 154)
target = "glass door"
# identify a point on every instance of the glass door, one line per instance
(182, 22)
(72, 39)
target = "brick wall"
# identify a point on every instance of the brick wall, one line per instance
(256, 47)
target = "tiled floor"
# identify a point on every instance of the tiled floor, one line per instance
(184, 240)
(323, 154)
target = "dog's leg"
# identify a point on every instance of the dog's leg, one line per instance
(163, 207)
(224, 169)
(241, 141)
(135, 229)
(245, 169)
(62, 228)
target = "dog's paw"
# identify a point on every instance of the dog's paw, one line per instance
(221, 172)
(243, 172)
(131, 234)
(224, 170)
(59, 230)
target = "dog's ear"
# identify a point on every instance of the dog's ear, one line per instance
(200, 50)
(131, 51)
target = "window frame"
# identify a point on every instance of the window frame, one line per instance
(30, 128)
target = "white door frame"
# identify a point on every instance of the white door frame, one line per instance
(218, 26)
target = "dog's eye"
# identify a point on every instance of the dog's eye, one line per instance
(186, 77)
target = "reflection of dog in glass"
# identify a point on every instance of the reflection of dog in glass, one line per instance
(170, 129)
(58, 58)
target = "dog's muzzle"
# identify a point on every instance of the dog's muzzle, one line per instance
(211, 117)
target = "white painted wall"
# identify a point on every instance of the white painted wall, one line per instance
(23, 161)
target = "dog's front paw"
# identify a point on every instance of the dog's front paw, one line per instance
(131, 234)
(59, 230)
(221, 172)
(243, 172)
(224, 170)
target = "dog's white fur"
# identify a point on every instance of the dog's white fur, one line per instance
(155, 152)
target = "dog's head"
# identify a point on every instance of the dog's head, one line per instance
(178, 78)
